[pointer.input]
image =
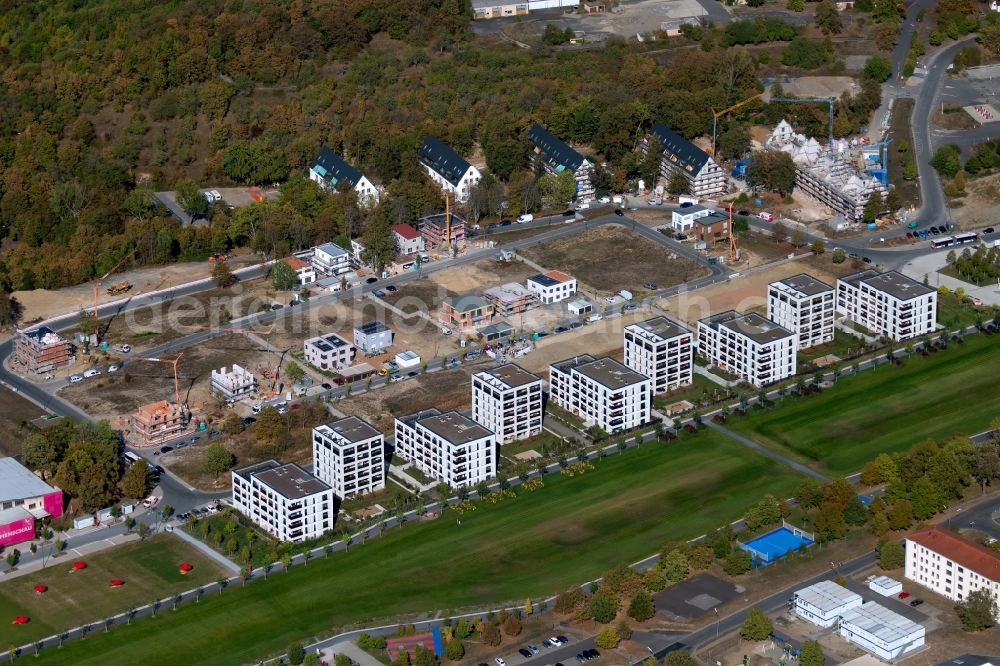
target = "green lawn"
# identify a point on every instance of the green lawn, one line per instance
(841, 346)
(695, 393)
(955, 314)
(534, 545)
(888, 409)
(149, 569)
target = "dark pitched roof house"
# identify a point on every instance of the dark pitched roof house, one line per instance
(689, 156)
(332, 168)
(439, 156)
(554, 150)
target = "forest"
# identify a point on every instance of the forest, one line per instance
(106, 101)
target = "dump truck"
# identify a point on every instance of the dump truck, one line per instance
(119, 288)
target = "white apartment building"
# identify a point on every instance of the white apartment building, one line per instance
(448, 447)
(551, 287)
(880, 631)
(683, 219)
(556, 157)
(233, 385)
(304, 271)
(408, 240)
(328, 352)
(805, 306)
(749, 346)
(888, 304)
(602, 392)
(331, 260)
(286, 501)
(349, 455)
(661, 349)
(824, 603)
(705, 177)
(508, 401)
(449, 170)
(330, 170)
(945, 563)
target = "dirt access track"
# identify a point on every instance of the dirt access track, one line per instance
(611, 258)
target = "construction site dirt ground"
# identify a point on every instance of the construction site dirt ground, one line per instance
(611, 258)
(40, 304)
(444, 389)
(14, 410)
(981, 205)
(141, 382)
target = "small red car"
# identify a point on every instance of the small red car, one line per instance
(903, 595)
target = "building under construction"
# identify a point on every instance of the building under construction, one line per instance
(42, 350)
(438, 233)
(829, 177)
(233, 385)
(157, 423)
(511, 298)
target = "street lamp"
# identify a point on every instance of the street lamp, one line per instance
(716, 609)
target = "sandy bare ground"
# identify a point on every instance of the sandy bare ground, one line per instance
(981, 206)
(482, 275)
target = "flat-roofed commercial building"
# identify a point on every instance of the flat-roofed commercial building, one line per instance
(349, 455)
(749, 346)
(805, 306)
(286, 501)
(661, 349)
(602, 392)
(880, 631)
(824, 603)
(508, 401)
(449, 447)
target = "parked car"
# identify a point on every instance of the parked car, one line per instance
(491, 226)
(576, 324)
(560, 329)
(112, 368)
(630, 306)
(525, 652)
(744, 213)
(988, 230)
(651, 286)
(247, 420)
(277, 306)
(619, 212)
(686, 204)
(562, 639)
(867, 260)
(680, 237)
(326, 386)
(611, 299)
(73, 379)
(909, 235)
(500, 662)
(524, 219)
(166, 449)
(547, 644)
(533, 648)
(93, 372)
(391, 288)
(378, 293)
(916, 602)
(569, 213)
(592, 654)
(580, 658)
(934, 230)
(125, 349)
(256, 408)
(904, 595)
(505, 223)
(412, 373)
(371, 280)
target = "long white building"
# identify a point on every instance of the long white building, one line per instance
(330, 170)
(602, 392)
(705, 177)
(449, 447)
(661, 349)
(880, 631)
(349, 454)
(805, 306)
(449, 170)
(749, 346)
(286, 501)
(888, 304)
(824, 603)
(328, 352)
(508, 401)
(945, 563)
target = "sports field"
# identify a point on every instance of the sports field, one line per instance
(537, 544)
(149, 569)
(885, 410)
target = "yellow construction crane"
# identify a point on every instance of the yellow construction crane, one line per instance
(717, 114)
(734, 253)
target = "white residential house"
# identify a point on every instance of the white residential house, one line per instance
(556, 156)
(331, 260)
(233, 385)
(349, 454)
(805, 306)
(824, 603)
(448, 169)
(888, 304)
(286, 501)
(358, 253)
(705, 177)
(448, 447)
(330, 170)
(950, 565)
(328, 352)
(602, 392)
(661, 349)
(552, 287)
(750, 346)
(884, 633)
(408, 240)
(508, 401)
(683, 219)
(304, 271)
(372, 338)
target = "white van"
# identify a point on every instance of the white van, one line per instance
(524, 219)
(596, 316)
(767, 217)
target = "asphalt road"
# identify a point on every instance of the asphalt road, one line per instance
(979, 518)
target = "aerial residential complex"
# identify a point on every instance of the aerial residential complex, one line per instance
(889, 304)
(449, 447)
(557, 157)
(749, 346)
(661, 349)
(950, 565)
(330, 170)
(705, 177)
(805, 306)
(349, 455)
(451, 172)
(508, 401)
(286, 501)
(602, 392)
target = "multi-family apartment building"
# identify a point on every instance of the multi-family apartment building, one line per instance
(449, 447)
(328, 352)
(156, 423)
(705, 177)
(602, 392)
(556, 156)
(508, 401)
(950, 565)
(372, 338)
(286, 501)
(330, 170)
(510, 299)
(42, 350)
(408, 240)
(349, 455)
(442, 230)
(552, 287)
(449, 170)
(661, 349)
(750, 346)
(466, 311)
(889, 304)
(805, 306)
(331, 260)
(234, 384)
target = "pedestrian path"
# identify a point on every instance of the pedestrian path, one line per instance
(210, 552)
(750, 444)
(357, 655)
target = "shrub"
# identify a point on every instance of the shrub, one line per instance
(607, 638)
(512, 626)
(757, 625)
(604, 607)
(641, 607)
